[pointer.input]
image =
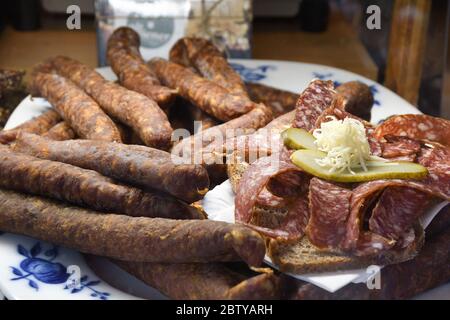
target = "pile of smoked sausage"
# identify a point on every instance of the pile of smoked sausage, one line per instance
(99, 172)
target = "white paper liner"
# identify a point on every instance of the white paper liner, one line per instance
(219, 205)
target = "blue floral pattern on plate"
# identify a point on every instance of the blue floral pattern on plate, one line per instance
(38, 266)
(329, 76)
(252, 74)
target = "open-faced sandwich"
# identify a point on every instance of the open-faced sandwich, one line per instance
(334, 192)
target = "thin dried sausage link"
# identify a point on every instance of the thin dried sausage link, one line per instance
(203, 281)
(139, 239)
(78, 109)
(209, 61)
(60, 132)
(357, 98)
(205, 94)
(85, 188)
(130, 107)
(280, 101)
(127, 62)
(37, 125)
(140, 165)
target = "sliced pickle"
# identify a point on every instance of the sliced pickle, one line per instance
(306, 159)
(296, 138)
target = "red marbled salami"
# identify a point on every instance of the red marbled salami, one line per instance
(396, 147)
(416, 126)
(317, 97)
(254, 180)
(357, 240)
(330, 206)
(401, 208)
(269, 200)
(397, 210)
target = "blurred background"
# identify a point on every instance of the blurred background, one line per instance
(407, 53)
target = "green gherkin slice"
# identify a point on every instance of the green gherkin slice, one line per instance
(296, 138)
(306, 160)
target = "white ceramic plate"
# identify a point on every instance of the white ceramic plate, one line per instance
(32, 269)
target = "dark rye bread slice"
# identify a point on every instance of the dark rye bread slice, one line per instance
(264, 217)
(304, 257)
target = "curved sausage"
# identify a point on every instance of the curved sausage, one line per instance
(280, 101)
(78, 109)
(85, 188)
(128, 238)
(37, 125)
(135, 164)
(60, 132)
(357, 98)
(129, 66)
(132, 108)
(209, 61)
(203, 281)
(205, 94)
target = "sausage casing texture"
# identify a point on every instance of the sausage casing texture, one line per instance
(85, 188)
(247, 123)
(60, 132)
(201, 281)
(128, 64)
(134, 164)
(37, 125)
(77, 108)
(130, 107)
(127, 238)
(184, 115)
(280, 101)
(199, 115)
(205, 94)
(128, 135)
(357, 98)
(209, 61)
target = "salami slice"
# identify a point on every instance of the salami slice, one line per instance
(416, 126)
(397, 210)
(269, 200)
(397, 146)
(330, 206)
(317, 97)
(398, 207)
(357, 240)
(253, 182)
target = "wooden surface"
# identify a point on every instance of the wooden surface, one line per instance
(273, 39)
(21, 50)
(445, 99)
(406, 47)
(339, 46)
